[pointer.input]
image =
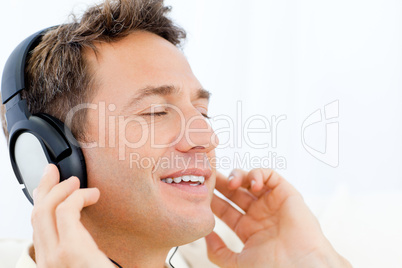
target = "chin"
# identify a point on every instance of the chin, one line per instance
(196, 228)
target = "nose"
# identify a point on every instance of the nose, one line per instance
(198, 134)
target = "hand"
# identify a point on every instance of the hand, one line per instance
(60, 239)
(277, 228)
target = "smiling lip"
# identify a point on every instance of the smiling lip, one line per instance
(190, 171)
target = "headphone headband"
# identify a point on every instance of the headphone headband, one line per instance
(13, 79)
(35, 140)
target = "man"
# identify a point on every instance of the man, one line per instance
(142, 102)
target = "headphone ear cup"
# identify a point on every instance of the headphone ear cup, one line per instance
(72, 164)
(41, 140)
(31, 159)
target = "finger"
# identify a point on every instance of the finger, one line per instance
(68, 214)
(218, 252)
(241, 197)
(262, 180)
(257, 179)
(229, 215)
(49, 179)
(236, 178)
(281, 190)
(252, 180)
(45, 233)
(273, 181)
(60, 192)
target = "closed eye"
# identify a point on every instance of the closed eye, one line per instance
(164, 113)
(155, 114)
(206, 116)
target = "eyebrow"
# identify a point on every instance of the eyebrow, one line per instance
(164, 90)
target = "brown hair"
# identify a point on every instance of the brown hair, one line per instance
(57, 76)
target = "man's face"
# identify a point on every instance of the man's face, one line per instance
(149, 128)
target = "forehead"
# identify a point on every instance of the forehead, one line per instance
(141, 59)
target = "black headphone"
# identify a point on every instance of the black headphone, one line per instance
(35, 140)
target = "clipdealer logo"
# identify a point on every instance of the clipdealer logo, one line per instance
(256, 131)
(330, 155)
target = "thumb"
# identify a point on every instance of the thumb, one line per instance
(218, 252)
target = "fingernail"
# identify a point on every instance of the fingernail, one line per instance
(34, 193)
(252, 183)
(231, 177)
(46, 170)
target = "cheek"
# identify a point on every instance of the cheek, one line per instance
(151, 135)
(167, 130)
(123, 188)
(132, 132)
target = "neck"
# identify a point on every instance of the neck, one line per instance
(130, 251)
(127, 256)
(123, 260)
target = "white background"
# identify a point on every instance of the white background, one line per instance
(283, 58)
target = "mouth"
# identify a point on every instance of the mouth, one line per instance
(191, 177)
(191, 180)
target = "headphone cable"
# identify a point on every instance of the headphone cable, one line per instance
(115, 263)
(170, 259)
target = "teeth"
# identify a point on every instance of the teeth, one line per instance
(187, 178)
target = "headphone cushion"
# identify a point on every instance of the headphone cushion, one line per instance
(40, 140)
